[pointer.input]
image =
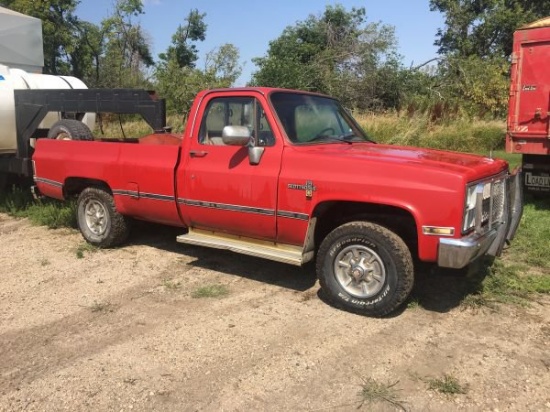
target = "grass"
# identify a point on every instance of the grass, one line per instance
(532, 242)
(414, 303)
(99, 307)
(54, 214)
(462, 135)
(83, 248)
(170, 284)
(210, 291)
(133, 126)
(373, 391)
(523, 272)
(513, 159)
(448, 384)
(508, 284)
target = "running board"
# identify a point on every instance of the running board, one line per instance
(268, 250)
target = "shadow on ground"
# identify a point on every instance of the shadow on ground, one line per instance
(435, 289)
(229, 263)
(440, 290)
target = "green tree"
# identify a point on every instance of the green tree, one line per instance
(179, 85)
(177, 78)
(337, 53)
(183, 50)
(484, 28)
(87, 56)
(126, 51)
(475, 45)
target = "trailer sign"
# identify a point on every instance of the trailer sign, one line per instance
(538, 181)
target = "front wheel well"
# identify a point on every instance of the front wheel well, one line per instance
(333, 214)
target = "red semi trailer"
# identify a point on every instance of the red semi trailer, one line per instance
(529, 105)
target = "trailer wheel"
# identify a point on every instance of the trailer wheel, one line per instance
(98, 221)
(70, 129)
(365, 268)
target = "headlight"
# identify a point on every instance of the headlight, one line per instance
(469, 209)
(470, 215)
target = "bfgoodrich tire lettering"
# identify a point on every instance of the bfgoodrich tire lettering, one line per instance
(98, 221)
(365, 268)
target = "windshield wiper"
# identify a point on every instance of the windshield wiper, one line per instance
(331, 138)
(348, 137)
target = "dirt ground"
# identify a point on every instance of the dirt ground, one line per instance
(120, 330)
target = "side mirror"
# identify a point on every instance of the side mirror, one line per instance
(241, 136)
(255, 154)
(236, 135)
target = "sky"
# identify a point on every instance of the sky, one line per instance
(251, 24)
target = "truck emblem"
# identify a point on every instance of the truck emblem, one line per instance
(308, 187)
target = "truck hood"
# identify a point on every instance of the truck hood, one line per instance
(472, 167)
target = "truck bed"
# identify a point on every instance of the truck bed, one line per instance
(140, 174)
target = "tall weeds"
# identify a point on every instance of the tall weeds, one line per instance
(462, 135)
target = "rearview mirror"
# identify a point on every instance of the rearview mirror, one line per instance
(236, 135)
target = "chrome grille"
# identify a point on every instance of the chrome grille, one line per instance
(493, 206)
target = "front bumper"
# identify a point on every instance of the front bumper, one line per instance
(458, 253)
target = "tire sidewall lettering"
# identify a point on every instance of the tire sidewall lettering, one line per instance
(355, 240)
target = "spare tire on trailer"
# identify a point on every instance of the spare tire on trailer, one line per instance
(70, 129)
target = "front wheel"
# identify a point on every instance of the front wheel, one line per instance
(365, 268)
(98, 221)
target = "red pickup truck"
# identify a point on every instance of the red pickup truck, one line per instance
(290, 176)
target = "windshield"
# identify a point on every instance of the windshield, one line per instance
(315, 119)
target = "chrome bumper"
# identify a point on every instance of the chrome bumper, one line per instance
(458, 253)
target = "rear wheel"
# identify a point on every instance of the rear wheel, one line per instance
(70, 129)
(98, 221)
(365, 268)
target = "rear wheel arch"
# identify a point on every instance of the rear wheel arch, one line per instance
(73, 186)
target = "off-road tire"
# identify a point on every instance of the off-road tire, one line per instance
(98, 220)
(376, 263)
(70, 129)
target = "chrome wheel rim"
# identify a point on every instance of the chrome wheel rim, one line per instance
(96, 217)
(360, 271)
(63, 135)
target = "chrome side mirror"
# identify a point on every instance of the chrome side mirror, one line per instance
(255, 154)
(236, 135)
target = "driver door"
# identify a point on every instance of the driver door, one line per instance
(221, 190)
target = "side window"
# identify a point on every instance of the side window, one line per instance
(234, 111)
(265, 135)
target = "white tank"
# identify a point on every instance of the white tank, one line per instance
(11, 79)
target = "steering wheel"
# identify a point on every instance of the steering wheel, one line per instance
(322, 133)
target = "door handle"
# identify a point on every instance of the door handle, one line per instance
(197, 153)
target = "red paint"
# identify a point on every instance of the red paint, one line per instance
(162, 178)
(529, 104)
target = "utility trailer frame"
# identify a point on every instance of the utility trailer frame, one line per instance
(31, 106)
